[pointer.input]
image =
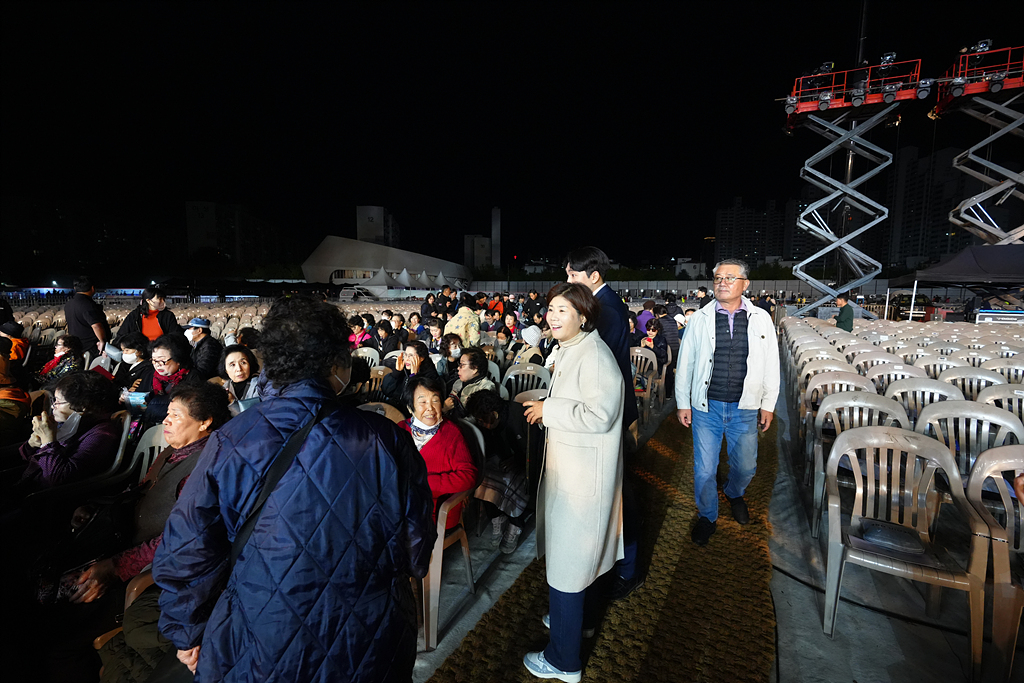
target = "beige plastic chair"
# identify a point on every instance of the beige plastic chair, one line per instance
(813, 368)
(884, 374)
(910, 354)
(969, 428)
(1007, 533)
(825, 384)
(975, 357)
(135, 588)
(531, 395)
(946, 348)
(1010, 368)
(372, 387)
(367, 355)
(935, 365)
(916, 393)
(839, 412)
(851, 351)
(1003, 350)
(647, 365)
(493, 372)
(865, 361)
(431, 583)
(520, 378)
(148, 448)
(385, 410)
(905, 496)
(1006, 396)
(971, 381)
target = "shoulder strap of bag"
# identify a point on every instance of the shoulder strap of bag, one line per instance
(280, 465)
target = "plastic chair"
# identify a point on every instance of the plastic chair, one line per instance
(1010, 368)
(946, 348)
(503, 392)
(910, 354)
(915, 393)
(822, 385)
(493, 372)
(1007, 536)
(372, 386)
(899, 495)
(391, 354)
(646, 364)
(969, 428)
(975, 357)
(884, 374)
(970, 380)
(935, 365)
(431, 583)
(1005, 396)
(1003, 350)
(384, 409)
(100, 362)
(531, 395)
(865, 361)
(369, 356)
(842, 411)
(148, 448)
(135, 588)
(851, 351)
(520, 378)
(814, 368)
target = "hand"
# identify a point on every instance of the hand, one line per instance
(189, 658)
(101, 345)
(93, 582)
(685, 416)
(1018, 487)
(34, 441)
(44, 427)
(412, 364)
(449, 404)
(646, 341)
(765, 419)
(534, 411)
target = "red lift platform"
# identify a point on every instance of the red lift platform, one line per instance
(878, 84)
(977, 73)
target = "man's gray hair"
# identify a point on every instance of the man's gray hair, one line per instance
(733, 262)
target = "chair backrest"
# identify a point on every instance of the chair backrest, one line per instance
(435, 358)
(816, 367)
(521, 378)
(87, 359)
(149, 446)
(890, 487)
(1006, 396)
(392, 354)
(493, 372)
(884, 374)
(910, 354)
(970, 380)
(503, 392)
(870, 360)
(935, 365)
(1010, 368)
(993, 465)
(852, 409)
(915, 393)
(644, 360)
(475, 440)
(828, 383)
(1003, 350)
(367, 355)
(384, 409)
(968, 428)
(851, 351)
(945, 348)
(373, 385)
(531, 395)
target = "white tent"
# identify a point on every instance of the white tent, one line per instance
(440, 281)
(405, 279)
(424, 280)
(346, 259)
(380, 283)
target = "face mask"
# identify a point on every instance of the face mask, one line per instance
(129, 357)
(456, 352)
(69, 427)
(188, 334)
(60, 351)
(343, 381)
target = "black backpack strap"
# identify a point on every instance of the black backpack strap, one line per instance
(280, 465)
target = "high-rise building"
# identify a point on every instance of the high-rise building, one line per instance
(230, 232)
(477, 251)
(748, 233)
(376, 224)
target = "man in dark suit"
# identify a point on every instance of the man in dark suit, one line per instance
(587, 266)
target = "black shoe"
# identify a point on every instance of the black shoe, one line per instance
(739, 510)
(621, 587)
(703, 530)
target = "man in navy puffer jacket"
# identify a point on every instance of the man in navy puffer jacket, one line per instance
(321, 591)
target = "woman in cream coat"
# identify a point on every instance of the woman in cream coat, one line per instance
(579, 520)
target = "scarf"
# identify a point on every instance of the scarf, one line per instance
(421, 433)
(164, 383)
(239, 388)
(51, 365)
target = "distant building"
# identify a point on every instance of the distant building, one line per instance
(376, 224)
(230, 232)
(693, 269)
(340, 260)
(478, 251)
(748, 233)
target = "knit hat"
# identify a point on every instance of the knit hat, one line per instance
(12, 329)
(532, 335)
(199, 322)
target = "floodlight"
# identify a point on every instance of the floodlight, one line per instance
(888, 58)
(857, 97)
(889, 92)
(995, 81)
(957, 85)
(791, 104)
(824, 99)
(983, 45)
(924, 87)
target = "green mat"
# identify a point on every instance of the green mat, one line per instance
(705, 614)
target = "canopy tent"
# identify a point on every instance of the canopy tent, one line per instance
(405, 278)
(424, 279)
(338, 258)
(1001, 265)
(382, 279)
(440, 280)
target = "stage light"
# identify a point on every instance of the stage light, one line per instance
(995, 81)
(889, 92)
(924, 87)
(983, 45)
(888, 58)
(857, 96)
(824, 99)
(957, 85)
(790, 104)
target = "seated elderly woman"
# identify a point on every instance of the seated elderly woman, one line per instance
(239, 372)
(67, 358)
(450, 466)
(435, 331)
(415, 362)
(448, 366)
(135, 373)
(416, 325)
(78, 440)
(359, 336)
(472, 378)
(171, 356)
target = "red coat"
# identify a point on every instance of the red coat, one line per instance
(450, 466)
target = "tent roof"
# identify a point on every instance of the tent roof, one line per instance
(983, 265)
(440, 280)
(424, 280)
(342, 253)
(405, 279)
(382, 279)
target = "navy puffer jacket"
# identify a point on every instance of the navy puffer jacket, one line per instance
(321, 591)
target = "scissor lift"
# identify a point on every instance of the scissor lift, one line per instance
(825, 103)
(988, 86)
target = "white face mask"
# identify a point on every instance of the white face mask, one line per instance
(129, 357)
(343, 381)
(188, 334)
(456, 352)
(60, 351)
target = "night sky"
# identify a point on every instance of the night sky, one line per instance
(622, 125)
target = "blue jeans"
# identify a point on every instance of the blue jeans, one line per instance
(569, 613)
(740, 430)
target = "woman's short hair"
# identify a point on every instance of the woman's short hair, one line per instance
(420, 348)
(401, 317)
(653, 324)
(369, 320)
(248, 336)
(303, 339)
(357, 321)
(476, 359)
(505, 331)
(433, 322)
(89, 392)
(137, 341)
(385, 326)
(484, 402)
(431, 384)
(204, 401)
(429, 297)
(449, 339)
(150, 293)
(177, 345)
(254, 365)
(632, 317)
(414, 315)
(72, 343)
(580, 298)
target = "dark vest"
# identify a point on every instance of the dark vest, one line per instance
(153, 509)
(730, 366)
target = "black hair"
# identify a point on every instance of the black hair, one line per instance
(428, 297)
(83, 283)
(505, 331)
(534, 291)
(385, 326)
(543, 324)
(450, 338)
(251, 336)
(151, 293)
(588, 260)
(702, 289)
(177, 345)
(476, 359)
(203, 401)
(88, 392)
(659, 310)
(400, 316)
(632, 317)
(72, 343)
(479, 295)
(431, 384)
(414, 313)
(433, 322)
(689, 310)
(303, 339)
(580, 298)
(845, 296)
(369, 319)
(484, 402)
(652, 324)
(420, 348)
(137, 341)
(254, 365)
(357, 321)
(386, 313)
(670, 299)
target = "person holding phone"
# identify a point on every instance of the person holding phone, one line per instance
(655, 341)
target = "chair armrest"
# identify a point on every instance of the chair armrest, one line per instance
(446, 507)
(137, 586)
(99, 641)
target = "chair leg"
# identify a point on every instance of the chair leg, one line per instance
(469, 563)
(1007, 604)
(818, 492)
(976, 602)
(833, 585)
(933, 601)
(431, 599)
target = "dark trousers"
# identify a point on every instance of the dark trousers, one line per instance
(569, 614)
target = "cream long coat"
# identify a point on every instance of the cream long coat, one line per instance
(579, 522)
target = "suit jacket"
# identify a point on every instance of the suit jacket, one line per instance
(613, 326)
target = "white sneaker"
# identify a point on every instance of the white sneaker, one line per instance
(497, 530)
(510, 539)
(546, 620)
(538, 665)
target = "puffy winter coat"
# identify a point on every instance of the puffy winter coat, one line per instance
(133, 323)
(321, 591)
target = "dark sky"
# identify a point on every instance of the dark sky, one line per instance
(622, 125)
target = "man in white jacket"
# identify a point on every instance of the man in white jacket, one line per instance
(727, 382)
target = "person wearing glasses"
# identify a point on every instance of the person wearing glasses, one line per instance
(171, 356)
(68, 358)
(727, 382)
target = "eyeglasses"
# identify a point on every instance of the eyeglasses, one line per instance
(728, 279)
(161, 363)
(58, 403)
